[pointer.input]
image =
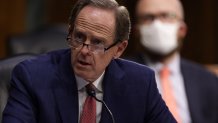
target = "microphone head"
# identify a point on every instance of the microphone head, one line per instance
(91, 93)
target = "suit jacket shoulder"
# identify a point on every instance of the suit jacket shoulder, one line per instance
(202, 93)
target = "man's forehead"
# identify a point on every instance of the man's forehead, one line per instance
(94, 28)
(96, 20)
(158, 6)
(97, 14)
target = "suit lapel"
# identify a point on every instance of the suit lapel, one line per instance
(113, 94)
(67, 104)
(190, 84)
(66, 92)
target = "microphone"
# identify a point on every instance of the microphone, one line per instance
(91, 92)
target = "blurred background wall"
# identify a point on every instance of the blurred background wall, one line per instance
(200, 45)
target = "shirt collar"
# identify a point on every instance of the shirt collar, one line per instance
(173, 66)
(81, 83)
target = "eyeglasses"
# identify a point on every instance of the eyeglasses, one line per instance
(94, 48)
(164, 17)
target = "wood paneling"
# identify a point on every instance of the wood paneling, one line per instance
(200, 44)
(12, 21)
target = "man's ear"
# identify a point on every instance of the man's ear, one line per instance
(182, 30)
(121, 48)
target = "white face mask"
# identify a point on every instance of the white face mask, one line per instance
(159, 37)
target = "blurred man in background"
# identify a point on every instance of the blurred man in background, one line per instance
(189, 90)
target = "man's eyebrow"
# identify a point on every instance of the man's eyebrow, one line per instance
(103, 39)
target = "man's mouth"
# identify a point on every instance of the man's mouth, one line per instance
(83, 62)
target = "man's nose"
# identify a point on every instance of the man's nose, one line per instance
(85, 48)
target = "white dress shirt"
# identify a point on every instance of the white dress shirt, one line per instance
(81, 83)
(177, 82)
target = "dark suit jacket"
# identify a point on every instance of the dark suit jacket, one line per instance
(44, 90)
(6, 67)
(201, 88)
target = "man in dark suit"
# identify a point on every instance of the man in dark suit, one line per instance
(63, 86)
(194, 90)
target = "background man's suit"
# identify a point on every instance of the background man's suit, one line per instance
(201, 88)
(44, 90)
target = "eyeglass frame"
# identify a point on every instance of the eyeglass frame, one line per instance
(69, 41)
(165, 17)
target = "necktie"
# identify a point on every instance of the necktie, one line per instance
(89, 108)
(167, 93)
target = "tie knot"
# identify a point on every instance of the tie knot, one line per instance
(164, 72)
(90, 89)
(90, 86)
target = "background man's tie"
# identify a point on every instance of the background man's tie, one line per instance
(167, 93)
(89, 109)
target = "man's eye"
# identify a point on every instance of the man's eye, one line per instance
(147, 17)
(97, 42)
(79, 37)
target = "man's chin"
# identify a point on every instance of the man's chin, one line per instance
(83, 74)
(157, 56)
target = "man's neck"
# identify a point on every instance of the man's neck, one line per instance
(164, 59)
(168, 59)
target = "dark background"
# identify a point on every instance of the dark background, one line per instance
(201, 16)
